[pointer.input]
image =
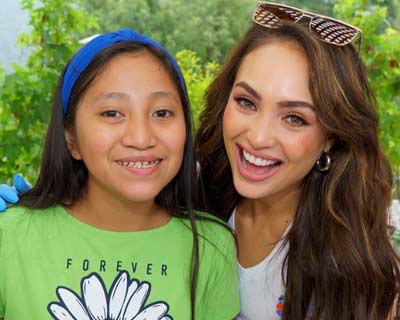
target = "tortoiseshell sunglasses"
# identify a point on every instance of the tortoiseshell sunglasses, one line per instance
(329, 30)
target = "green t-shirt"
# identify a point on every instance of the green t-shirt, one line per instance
(53, 266)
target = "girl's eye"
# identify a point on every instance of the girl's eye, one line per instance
(162, 113)
(111, 114)
(245, 103)
(296, 120)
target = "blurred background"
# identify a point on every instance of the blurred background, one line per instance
(37, 38)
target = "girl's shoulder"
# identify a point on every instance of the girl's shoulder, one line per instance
(212, 231)
(14, 215)
(211, 223)
(18, 217)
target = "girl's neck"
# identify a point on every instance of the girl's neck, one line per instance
(104, 210)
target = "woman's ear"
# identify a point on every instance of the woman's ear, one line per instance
(328, 145)
(71, 144)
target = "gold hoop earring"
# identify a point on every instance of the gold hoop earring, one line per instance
(324, 162)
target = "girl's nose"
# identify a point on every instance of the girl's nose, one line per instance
(138, 133)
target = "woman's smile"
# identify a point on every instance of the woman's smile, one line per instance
(256, 167)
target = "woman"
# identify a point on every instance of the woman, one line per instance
(289, 154)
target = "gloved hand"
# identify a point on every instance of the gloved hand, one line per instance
(10, 194)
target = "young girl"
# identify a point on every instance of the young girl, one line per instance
(289, 154)
(108, 232)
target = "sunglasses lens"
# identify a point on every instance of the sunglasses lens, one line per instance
(332, 31)
(266, 18)
(284, 13)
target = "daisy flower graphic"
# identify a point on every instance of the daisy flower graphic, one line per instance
(125, 301)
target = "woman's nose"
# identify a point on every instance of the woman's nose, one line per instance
(262, 133)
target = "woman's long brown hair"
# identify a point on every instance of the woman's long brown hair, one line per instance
(340, 263)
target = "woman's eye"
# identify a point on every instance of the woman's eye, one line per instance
(111, 114)
(162, 113)
(295, 120)
(245, 103)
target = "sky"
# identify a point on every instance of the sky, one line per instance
(13, 21)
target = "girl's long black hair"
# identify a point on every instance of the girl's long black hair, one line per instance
(63, 180)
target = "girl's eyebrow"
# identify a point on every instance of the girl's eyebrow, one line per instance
(122, 95)
(296, 104)
(111, 95)
(167, 94)
(249, 89)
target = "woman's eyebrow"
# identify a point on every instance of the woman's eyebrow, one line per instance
(249, 89)
(296, 104)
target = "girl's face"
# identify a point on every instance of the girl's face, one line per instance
(130, 128)
(271, 133)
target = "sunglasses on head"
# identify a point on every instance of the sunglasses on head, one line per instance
(329, 30)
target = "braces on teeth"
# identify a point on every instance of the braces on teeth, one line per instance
(139, 164)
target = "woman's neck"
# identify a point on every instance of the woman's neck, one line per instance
(260, 224)
(272, 214)
(107, 211)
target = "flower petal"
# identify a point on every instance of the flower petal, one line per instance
(95, 297)
(72, 303)
(118, 295)
(60, 313)
(137, 301)
(131, 290)
(154, 312)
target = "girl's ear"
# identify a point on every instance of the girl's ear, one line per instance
(71, 144)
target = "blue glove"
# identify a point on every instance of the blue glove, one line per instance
(10, 194)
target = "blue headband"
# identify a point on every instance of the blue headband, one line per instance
(85, 55)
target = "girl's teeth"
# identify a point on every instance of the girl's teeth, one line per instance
(247, 157)
(139, 164)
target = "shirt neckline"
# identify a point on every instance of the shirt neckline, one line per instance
(86, 228)
(278, 249)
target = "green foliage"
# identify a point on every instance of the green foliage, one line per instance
(396, 240)
(324, 7)
(26, 92)
(208, 27)
(198, 77)
(381, 52)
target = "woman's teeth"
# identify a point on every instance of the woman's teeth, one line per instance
(139, 164)
(256, 161)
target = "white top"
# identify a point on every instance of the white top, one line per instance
(261, 286)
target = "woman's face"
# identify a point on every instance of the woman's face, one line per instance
(130, 128)
(271, 133)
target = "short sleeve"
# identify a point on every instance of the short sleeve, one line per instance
(221, 297)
